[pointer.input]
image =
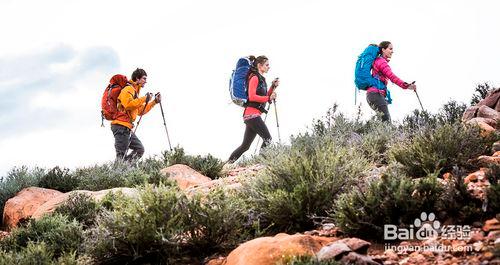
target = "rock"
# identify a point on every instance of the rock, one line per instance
(491, 100)
(216, 261)
(486, 129)
(228, 183)
(495, 147)
(491, 225)
(491, 122)
(489, 113)
(185, 176)
(333, 251)
(416, 258)
(4, 234)
(271, 250)
(488, 160)
(358, 259)
(476, 236)
(470, 113)
(487, 256)
(245, 171)
(391, 255)
(357, 245)
(52, 204)
(25, 203)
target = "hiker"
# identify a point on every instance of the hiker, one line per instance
(129, 106)
(258, 97)
(377, 98)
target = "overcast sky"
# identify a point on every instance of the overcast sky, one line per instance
(56, 57)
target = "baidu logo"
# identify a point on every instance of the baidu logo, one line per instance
(428, 226)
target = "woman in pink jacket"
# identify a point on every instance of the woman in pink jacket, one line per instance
(375, 97)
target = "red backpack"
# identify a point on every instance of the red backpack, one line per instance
(109, 108)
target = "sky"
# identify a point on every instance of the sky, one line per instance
(56, 58)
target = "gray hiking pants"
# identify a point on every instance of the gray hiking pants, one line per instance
(378, 103)
(122, 136)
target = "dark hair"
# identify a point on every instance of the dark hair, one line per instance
(257, 60)
(138, 74)
(383, 45)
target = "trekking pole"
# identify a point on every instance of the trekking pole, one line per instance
(165, 124)
(135, 129)
(277, 123)
(258, 140)
(416, 93)
(419, 100)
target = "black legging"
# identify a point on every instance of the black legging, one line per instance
(379, 104)
(254, 126)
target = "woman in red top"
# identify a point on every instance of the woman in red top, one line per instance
(258, 97)
(375, 97)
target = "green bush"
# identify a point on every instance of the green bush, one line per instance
(301, 181)
(494, 190)
(217, 222)
(112, 175)
(80, 207)
(58, 233)
(16, 180)
(146, 230)
(393, 199)
(206, 165)
(307, 260)
(439, 149)
(39, 254)
(164, 225)
(59, 179)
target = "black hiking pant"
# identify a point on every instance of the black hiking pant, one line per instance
(122, 136)
(254, 126)
(379, 104)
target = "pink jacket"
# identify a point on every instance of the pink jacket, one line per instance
(382, 70)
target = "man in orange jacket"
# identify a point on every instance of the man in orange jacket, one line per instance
(129, 106)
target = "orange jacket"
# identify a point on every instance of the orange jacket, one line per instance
(130, 105)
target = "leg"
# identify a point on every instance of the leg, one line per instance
(137, 147)
(121, 134)
(258, 126)
(378, 103)
(245, 145)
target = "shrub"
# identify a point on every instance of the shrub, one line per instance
(38, 253)
(393, 199)
(80, 207)
(146, 230)
(307, 260)
(58, 233)
(16, 180)
(112, 175)
(494, 190)
(439, 149)
(206, 165)
(302, 181)
(216, 222)
(451, 112)
(164, 225)
(59, 179)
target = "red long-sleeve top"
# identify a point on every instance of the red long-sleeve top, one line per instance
(251, 112)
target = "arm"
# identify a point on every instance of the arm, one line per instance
(127, 100)
(385, 69)
(148, 107)
(252, 91)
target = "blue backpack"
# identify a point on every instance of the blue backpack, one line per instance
(362, 74)
(238, 82)
(363, 78)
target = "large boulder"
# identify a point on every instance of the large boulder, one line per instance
(25, 203)
(271, 250)
(491, 100)
(185, 176)
(489, 113)
(52, 204)
(470, 113)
